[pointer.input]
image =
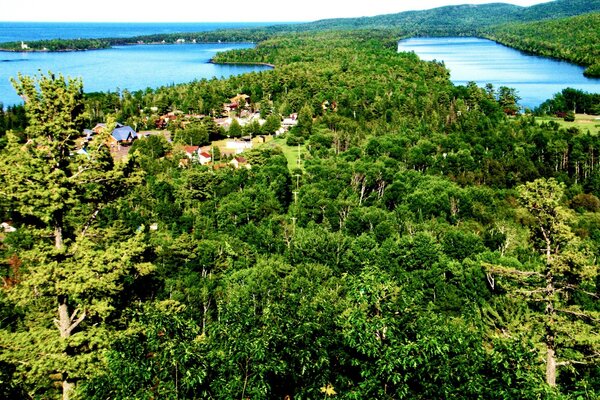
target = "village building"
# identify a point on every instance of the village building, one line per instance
(191, 152)
(7, 227)
(204, 158)
(290, 122)
(239, 162)
(124, 134)
(238, 146)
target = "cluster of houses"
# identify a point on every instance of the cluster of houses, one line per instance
(203, 156)
(124, 135)
(238, 108)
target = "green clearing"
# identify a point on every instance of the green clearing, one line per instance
(293, 154)
(583, 122)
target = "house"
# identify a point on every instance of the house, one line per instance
(100, 127)
(204, 158)
(240, 99)
(239, 162)
(88, 134)
(238, 145)
(223, 122)
(235, 103)
(291, 121)
(121, 133)
(191, 151)
(124, 133)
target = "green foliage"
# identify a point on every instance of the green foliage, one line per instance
(574, 39)
(235, 129)
(272, 124)
(360, 272)
(161, 354)
(192, 135)
(570, 116)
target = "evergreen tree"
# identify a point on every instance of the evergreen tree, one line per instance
(66, 287)
(235, 129)
(305, 121)
(558, 289)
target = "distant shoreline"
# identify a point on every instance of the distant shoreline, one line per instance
(212, 61)
(109, 46)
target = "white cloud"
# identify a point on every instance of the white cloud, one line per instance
(212, 11)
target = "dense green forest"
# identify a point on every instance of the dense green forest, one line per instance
(427, 246)
(575, 39)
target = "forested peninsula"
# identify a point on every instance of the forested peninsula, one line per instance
(400, 238)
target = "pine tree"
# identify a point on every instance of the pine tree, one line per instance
(68, 285)
(564, 280)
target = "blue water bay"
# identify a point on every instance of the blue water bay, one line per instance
(123, 67)
(536, 79)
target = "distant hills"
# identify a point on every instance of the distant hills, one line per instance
(461, 19)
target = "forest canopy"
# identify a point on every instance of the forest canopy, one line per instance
(427, 244)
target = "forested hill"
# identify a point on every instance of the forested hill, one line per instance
(443, 21)
(576, 39)
(462, 19)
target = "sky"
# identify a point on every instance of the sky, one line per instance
(214, 11)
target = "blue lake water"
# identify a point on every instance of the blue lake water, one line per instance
(17, 31)
(123, 67)
(536, 79)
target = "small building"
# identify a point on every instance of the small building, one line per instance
(239, 162)
(289, 122)
(204, 158)
(88, 134)
(7, 227)
(191, 151)
(241, 99)
(124, 134)
(238, 145)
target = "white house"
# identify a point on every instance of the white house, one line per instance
(238, 145)
(204, 157)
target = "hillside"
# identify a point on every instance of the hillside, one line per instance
(575, 39)
(462, 19)
(442, 21)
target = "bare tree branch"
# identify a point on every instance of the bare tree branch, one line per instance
(497, 269)
(578, 314)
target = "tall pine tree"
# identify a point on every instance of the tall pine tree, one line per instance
(72, 271)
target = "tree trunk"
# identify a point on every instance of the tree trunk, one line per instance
(550, 366)
(58, 237)
(65, 324)
(67, 388)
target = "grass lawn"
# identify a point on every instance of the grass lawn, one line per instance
(290, 152)
(583, 122)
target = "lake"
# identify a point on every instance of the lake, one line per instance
(134, 67)
(536, 79)
(124, 67)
